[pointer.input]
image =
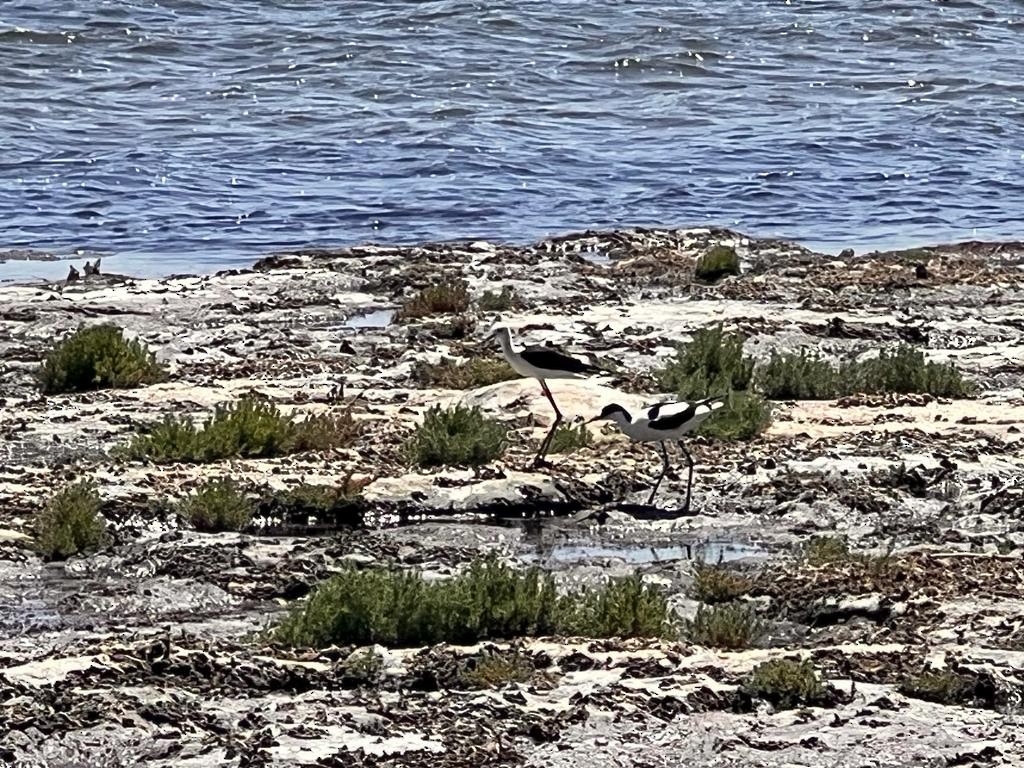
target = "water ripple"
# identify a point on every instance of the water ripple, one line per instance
(220, 130)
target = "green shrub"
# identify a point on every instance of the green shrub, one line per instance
(798, 376)
(494, 669)
(940, 687)
(491, 301)
(488, 600)
(711, 364)
(822, 550)
(902, 369)
(218, 505)
(450, 296)
(474, 373)
(718, 583)
(362, 668)
(786, 683)
(457, 435)
(319, 499)
(70, 522)
(717, 262)
(745, 416)
(625, 607)
(248, 428)
(568, 439)
(731, 626)
(98, 357)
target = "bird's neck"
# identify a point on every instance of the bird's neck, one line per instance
(505, 340)
(622, 419)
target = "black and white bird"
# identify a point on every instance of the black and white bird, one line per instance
(542, 363)
(663, 422)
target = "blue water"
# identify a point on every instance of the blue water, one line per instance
(204, 133)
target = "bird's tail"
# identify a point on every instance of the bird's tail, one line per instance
(715, 402)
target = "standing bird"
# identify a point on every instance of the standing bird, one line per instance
(542, 363)
(664, 421)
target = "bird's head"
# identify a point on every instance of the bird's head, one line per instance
(500, 332)
(611, 412)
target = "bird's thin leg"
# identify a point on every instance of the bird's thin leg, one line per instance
(664, 469)
(546, 444)
(689, 479)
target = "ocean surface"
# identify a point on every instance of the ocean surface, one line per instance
(199, 134)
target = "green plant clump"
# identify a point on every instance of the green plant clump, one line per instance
(494, 301)
(487, 601)
(448, 297)
(713, 364)
(717, 262)
(903, 369)
(786, 683)
(823, 550)
(798, 376)
(568, 439)
(249, 428)
(940, 687)
(731, 626)
(457, 435)
(70, 522)
(493, 669)
(474, 373)
(98, 357)
(718, 583)
(218, 505)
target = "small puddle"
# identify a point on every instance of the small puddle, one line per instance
(374, 319)
(709, 552)
(601, 258)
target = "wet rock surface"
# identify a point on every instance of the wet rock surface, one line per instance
(152, 651)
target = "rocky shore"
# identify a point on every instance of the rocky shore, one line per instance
(151, 651)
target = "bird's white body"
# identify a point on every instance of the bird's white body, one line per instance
(521, 364)
(644, 428)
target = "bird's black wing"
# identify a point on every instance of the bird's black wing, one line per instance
(677, 414)
(677, 418)
(550, 359)
(654, 410)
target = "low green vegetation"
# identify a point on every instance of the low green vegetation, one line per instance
(568, 439)
(318, 500)
(623, 607)
(717, 262)
(456, 436)
(731, 626)
(448, 297)
(363, 667)
(475, 372)
(718, 583)
(494, 669)
(98, 357)
(786, 683)
(218, 505)
(713, 363)
(823, 550)
(745, 416)
(248, 428)
(798, 376)
(901, 369)
(71, 522)
(942, 687)
(488, 600)
(499, 301)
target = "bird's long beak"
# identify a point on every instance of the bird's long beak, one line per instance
(591, 421)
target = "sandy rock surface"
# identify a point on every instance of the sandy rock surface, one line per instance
(150, 652)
